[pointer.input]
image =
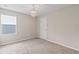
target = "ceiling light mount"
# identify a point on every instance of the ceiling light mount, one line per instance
(34, 11)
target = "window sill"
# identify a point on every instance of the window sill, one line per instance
(7, 35)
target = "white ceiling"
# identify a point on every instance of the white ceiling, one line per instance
(43, 9)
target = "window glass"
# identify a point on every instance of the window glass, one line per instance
(8, 24)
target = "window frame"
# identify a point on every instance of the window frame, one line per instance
(1, 25)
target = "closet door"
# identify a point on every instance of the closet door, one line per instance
(43, 28)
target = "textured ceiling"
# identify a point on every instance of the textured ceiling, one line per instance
(43, 9)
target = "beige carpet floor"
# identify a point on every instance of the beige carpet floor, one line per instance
(35, 46)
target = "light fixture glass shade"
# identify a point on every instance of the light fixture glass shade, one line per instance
(33, 13)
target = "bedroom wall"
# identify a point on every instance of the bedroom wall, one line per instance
(26, 27)
(63, 26)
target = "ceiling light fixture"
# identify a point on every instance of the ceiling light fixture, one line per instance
(34, 11)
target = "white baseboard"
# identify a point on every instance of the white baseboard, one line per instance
(17, 40)
(62, 44)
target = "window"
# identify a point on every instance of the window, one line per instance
(8, 24)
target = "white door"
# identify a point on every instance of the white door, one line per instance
(43, 28)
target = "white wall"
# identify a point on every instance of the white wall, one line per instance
(25, 28)
(63, 26)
